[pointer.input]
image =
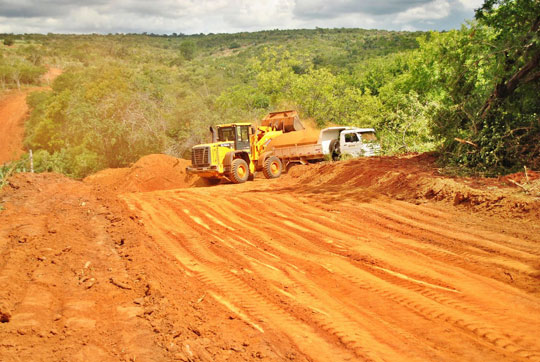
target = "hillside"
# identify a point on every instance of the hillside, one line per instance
(124, 96)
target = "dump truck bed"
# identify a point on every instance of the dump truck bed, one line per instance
(300, 152)
(309, 145)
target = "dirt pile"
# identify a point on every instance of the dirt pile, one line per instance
(304, 137)
(415, 178)
(152, 172)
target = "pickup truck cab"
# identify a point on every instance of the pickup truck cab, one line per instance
(357, 142)
(353, 141)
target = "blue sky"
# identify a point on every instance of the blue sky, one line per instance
(226, 16)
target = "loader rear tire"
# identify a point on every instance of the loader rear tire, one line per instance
(272, 167)
(239, 171)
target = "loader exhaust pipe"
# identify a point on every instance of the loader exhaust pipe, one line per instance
(213, 131)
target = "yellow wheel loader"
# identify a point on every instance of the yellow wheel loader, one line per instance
(238, 150)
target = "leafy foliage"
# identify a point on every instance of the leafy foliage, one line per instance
(471, 94)
(19, 66)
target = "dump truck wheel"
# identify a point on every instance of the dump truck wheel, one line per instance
(272, 167)
(334, 150)
(239, 171)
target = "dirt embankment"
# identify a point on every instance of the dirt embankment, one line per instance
(152, 172)
(370, 259)
(416, 179)
(13, 113)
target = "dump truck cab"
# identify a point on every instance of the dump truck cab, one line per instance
(238, 150)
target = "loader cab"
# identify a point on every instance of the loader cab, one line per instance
(237, 134)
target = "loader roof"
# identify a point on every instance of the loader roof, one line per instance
(234, 124)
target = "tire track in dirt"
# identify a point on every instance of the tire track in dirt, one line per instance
(376, 280)
(234, 294)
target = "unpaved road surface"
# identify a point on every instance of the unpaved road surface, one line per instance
(361, 261)
(13, 113)
(345, 279)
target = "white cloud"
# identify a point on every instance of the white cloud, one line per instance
(437, 9)
(471, 4)
(196, 16)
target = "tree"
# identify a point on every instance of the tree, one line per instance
(517, 43)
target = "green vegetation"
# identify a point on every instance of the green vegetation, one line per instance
(9, 169)
(471, 94)
(19, 64)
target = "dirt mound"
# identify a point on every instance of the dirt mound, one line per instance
(150, 173)
(415, 178)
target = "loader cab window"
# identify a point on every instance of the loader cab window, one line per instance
(242, 137)
(226, 134)
(351, 137)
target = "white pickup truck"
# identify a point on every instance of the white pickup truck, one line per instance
(334, 141)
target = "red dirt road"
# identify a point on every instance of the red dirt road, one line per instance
(348, 279)
(13, 113)
(371, 260)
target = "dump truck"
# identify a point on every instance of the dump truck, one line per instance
(304, 147)
(238, 150)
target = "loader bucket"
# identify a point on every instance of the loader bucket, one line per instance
(286, 121)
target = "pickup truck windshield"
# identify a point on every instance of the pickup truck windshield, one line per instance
(368, 136)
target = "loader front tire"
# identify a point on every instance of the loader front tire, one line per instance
(272, 167)
(239, 171)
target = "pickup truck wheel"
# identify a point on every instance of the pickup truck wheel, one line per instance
(239, 171)
(334, 150)
(272, 167)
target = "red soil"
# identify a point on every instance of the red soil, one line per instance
(13, 113)
(152, 172)
(304, 137)
(370, 259)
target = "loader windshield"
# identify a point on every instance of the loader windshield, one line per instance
(226, 134)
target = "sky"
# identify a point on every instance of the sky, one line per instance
(228, 16)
